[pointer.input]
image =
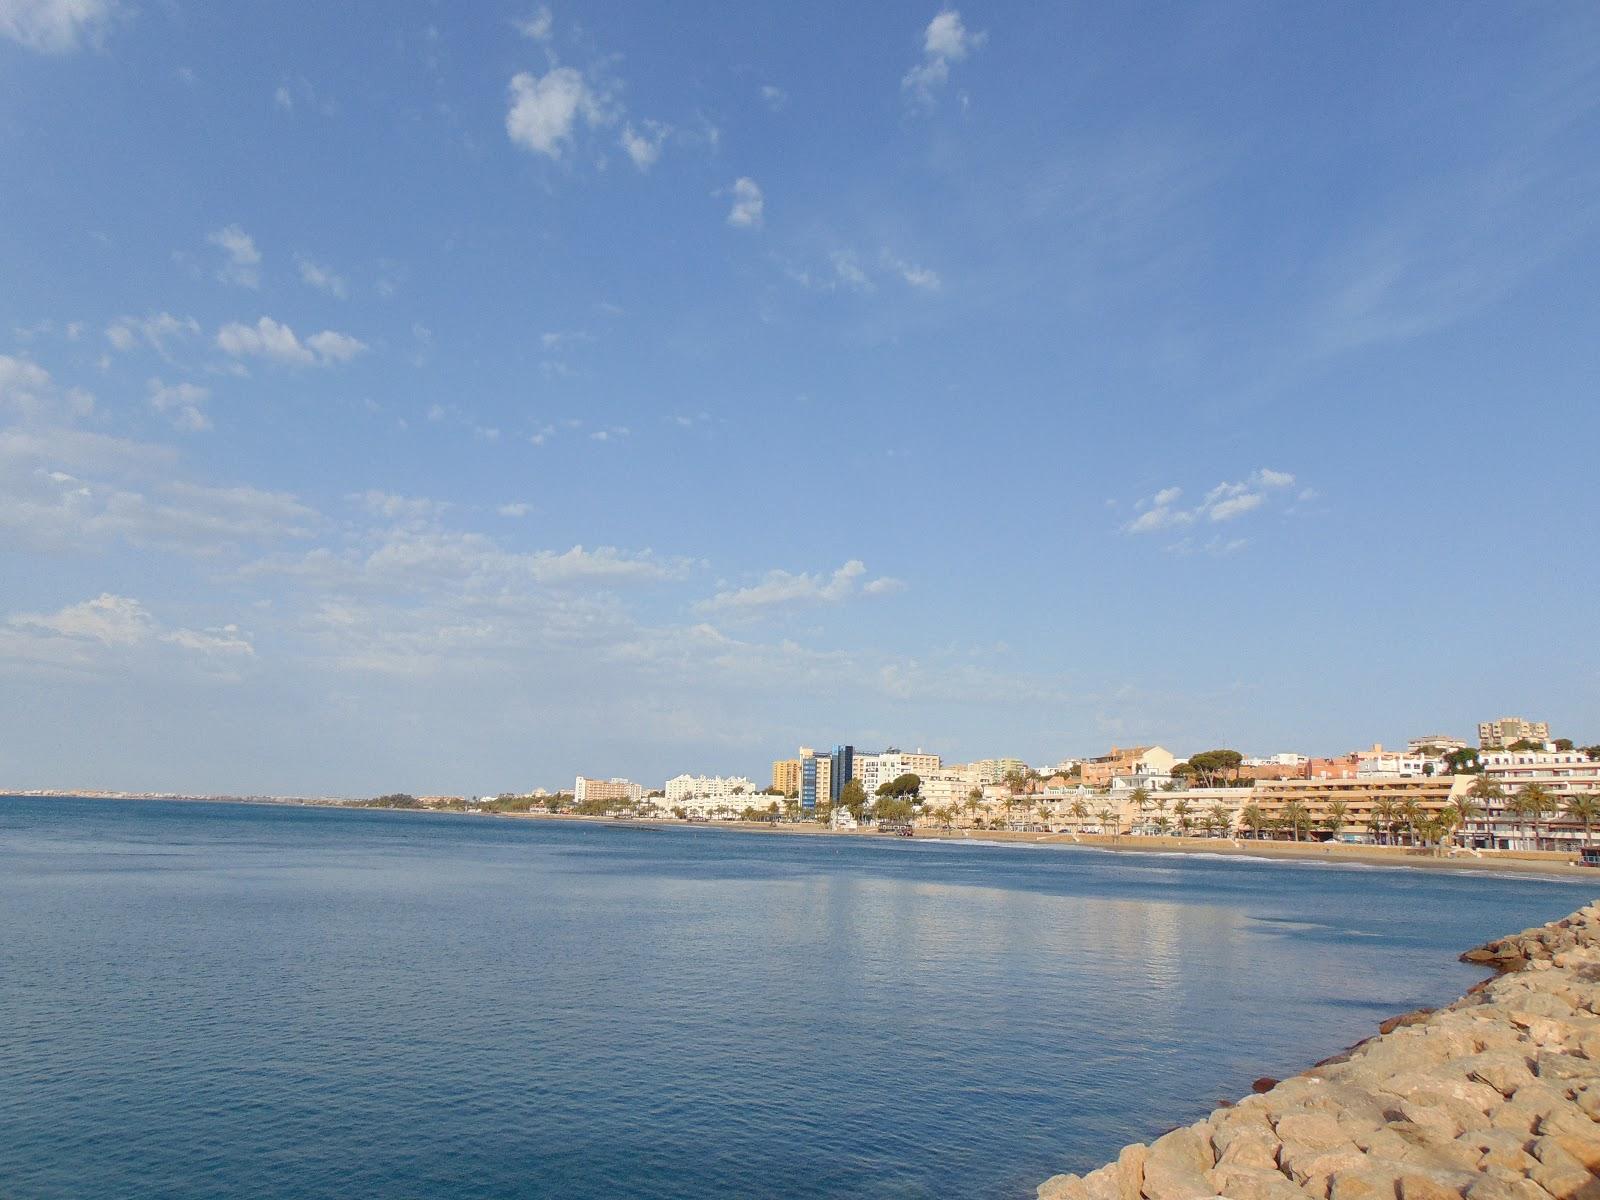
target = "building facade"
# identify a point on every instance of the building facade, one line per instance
(1497, 735)
(1365, 800)
(816, 778)
(786, 776)
(1148, 761)
(707, 787)
(605, 790)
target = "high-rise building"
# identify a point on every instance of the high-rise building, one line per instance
(844, 762)
(816, 778)
(786, 775)
(1498, 735)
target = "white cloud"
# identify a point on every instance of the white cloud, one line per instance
(1227, 501)
(781, 589)
(517, 510)
(283, 99)
(55, 26)
(1235, 506)
(774, 97)
(560, 339)
(922, 278)
(28, 391)
(106, 633)
(544, 110)
(241, 260)
(644, 144)
(109, 620)
(947, 37)
(749, 205)
(324, 280)
(181, 402)
(399, 508)
(271, 340)
(538, 25)
(156, 331)
(944, 41)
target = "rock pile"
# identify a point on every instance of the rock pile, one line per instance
(1496, 1097)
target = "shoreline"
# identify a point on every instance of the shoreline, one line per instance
(1552, 863)
(1493, 1097)
(1546, 863)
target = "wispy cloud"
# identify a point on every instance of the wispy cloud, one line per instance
(749, 204)
(1227, 501)
(946, 40)
(276, 342)
(314, 274)
(56, 26)
(784, 589)
(241, 261)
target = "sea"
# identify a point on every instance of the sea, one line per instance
(234, 1000)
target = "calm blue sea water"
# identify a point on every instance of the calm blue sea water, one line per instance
(224, 1000)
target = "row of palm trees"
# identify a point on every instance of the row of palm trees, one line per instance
(1390, 822)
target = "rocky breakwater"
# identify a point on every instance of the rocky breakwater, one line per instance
(1496, 1097)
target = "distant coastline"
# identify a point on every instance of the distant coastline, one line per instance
(1546, 863)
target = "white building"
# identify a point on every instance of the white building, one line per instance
(708, 787)
(1563, 773)
(874, 770)
(1441, 742)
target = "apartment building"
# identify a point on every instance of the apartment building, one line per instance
(1148, 761)
(1442, 742)
(1497, 735)
(707, 787)
(786, 776)
(602, 790)
(1362, 796)
(874, 770)
(1561, 772)
(816, 778)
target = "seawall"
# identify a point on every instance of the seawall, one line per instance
(1495, 1097)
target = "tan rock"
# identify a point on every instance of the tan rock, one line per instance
(1489, 1187)
(1130, 1171)
(1583, 1150)
(1312, 1166)
(1504, 1072)
(1253, 1183)
(1368, 1182)
(1175, 1167)
(1246, 1143)
(1414, 1184)
(1315, 1130)
(1061, 1187)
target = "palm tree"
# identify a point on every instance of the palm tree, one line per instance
(1384, 813)
(973, 802)
(1296, 816)
(1079, 811)
(1585, 809)
(1411, 812)
(1338, 812)
(1536, 802)
(1140, 799)
(1462, 811)
(1489, 795)
(1220, 818)
(1105, 819)
(1181, 813)
(1250, 818)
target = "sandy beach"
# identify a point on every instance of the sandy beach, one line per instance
(1522, 862)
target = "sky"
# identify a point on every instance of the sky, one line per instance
(437, 397)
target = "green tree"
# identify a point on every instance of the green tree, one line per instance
(1215, 765)
(1535, 802)
(1583, 808)
(1108, 818)
(853, 797)
(1183, 815)
(1079, 811)
(1563, 744)
(907, 785)
(1338, 816)
(1140, 799)
(1464, 809)
(1296, 816)
(892, 808)
(1463, 762)
(1220, 819)
(1251, 818)
(1525, 744)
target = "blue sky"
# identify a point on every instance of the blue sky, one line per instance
(461, 397)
